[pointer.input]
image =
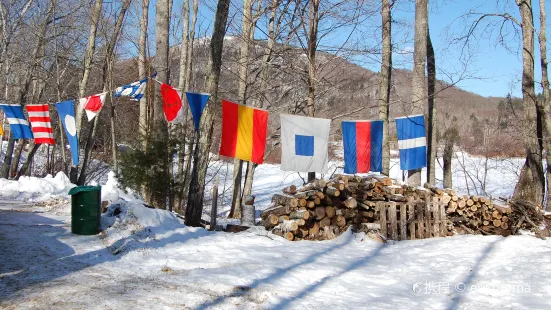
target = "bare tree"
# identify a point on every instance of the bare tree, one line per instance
(246, 38)
(530, 185)
(546, 113)
(385, 80)
(142, 72)
(432, 146)
(106, 77)
(194, 207)
(418, 89)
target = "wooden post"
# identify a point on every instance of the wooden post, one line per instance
(393, 221)
(420, 220)
(382, 216)
(213, 210)
(411, 216)
(443, 221)
(403, 225)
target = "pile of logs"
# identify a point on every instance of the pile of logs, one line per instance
(322, 210)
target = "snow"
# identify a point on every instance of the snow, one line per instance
(35, 189)
(148, 258)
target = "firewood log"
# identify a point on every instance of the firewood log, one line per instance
(325, 222)
(288, 226)
(305, 194)
(283, 199)
(319, 212)
(283, 218)
(332, 191)
(497, 223)
(350, 203)
(302, 202)
(300, 222)
(299, 215)
(339, 220)
(434, 189)
(292, 189)
(276, 210)
(314, 229)
(271, 221)
(330, 211)
(311, 204)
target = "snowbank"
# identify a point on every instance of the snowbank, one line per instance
(35, 189)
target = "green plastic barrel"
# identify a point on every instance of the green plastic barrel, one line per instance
(85, 210)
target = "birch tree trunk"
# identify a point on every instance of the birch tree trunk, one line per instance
(191, 137)
(385, 81)
(432, 146)
(542, 38)
(107, 67)
(160, 127)
(142, 71)
(246, 31)
(531, 183)
(312, 69)
(418, 89)
(24, 91)
(264, 75)
(88, 60)
(194, 207)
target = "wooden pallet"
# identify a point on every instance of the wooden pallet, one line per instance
(410, 220)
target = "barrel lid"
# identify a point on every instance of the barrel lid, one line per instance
(79, 189)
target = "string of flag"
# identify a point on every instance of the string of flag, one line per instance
(304, 140)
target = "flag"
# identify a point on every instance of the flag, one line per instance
(39, 116)
(377, 145)
(133, 90)
(19, 126)
(197, 103)
(304, 142)
(92, 105)
(243, 132)
(412, 143)
(362, 146)
(66, 111)
(172, 104)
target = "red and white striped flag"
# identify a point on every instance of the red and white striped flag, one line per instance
(39, 117)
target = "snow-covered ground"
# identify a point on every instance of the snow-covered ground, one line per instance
(149, 259)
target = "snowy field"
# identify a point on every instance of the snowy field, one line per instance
(148, 259)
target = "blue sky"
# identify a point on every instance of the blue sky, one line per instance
(487, 67)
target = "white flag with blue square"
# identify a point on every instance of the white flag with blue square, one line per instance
(304, 143)
(412, 142)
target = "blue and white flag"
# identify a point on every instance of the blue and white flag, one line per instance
(412, 142)
(18, 123)
(197, 103)
(304, 143)
(66, 111)
(134, 90)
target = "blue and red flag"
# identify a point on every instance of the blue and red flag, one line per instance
(363, 145)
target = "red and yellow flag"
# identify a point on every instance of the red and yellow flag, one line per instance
(243, 132)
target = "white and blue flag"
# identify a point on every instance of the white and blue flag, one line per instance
(134, 90)
(18, 123)
(304, 143)
(412, 142)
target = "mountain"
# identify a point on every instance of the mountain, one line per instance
(344, 89)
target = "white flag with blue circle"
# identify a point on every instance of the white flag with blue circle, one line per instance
(304, 143)
(412, 142)
(134, 90)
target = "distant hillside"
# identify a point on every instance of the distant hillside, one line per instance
(343, 88)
